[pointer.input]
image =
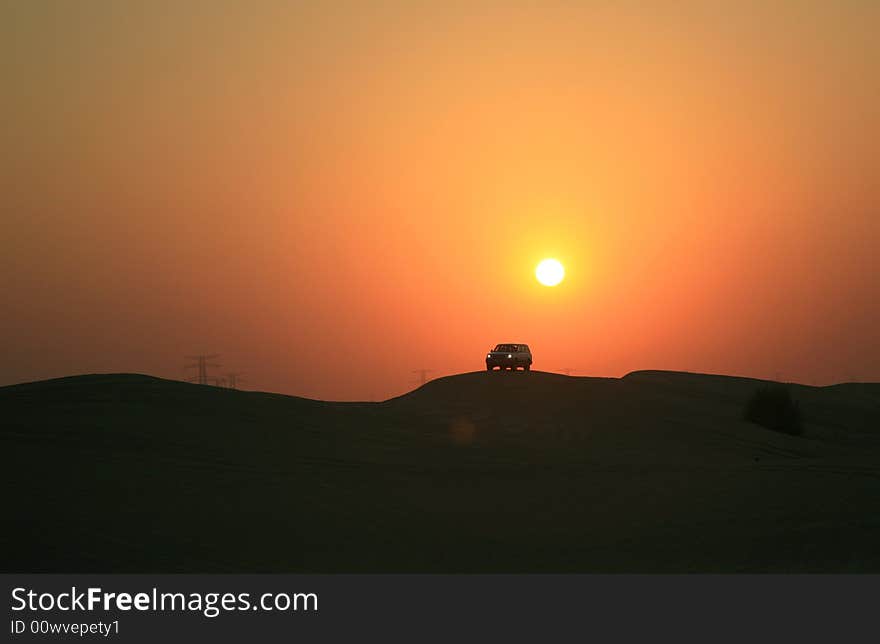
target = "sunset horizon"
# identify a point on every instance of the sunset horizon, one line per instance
(332, 197)
(489, 320)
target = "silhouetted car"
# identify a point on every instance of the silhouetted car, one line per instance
(509, 356)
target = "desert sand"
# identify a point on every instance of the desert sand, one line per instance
(478, 472)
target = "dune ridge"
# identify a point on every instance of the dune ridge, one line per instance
(477, 472)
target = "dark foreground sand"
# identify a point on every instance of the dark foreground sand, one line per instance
(500, 472)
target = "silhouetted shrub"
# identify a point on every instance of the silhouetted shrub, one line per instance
(772, 406)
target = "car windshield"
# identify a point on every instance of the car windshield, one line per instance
(505, 347)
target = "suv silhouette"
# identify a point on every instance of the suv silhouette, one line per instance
(509, 356)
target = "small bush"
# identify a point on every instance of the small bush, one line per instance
(772, 406)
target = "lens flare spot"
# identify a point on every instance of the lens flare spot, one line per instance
(462, 431)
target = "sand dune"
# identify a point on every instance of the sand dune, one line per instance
(479, 472)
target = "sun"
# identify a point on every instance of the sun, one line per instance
(549, 272)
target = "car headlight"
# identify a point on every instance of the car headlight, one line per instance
(488, 355)
(509, 356)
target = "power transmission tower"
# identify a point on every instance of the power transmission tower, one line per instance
(567, 370)
(232, 379)
(202, 364)
(422, 375)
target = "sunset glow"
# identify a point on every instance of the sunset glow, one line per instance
(289, 185)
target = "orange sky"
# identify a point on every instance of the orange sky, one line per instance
(332, 195)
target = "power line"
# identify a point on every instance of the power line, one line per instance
(232, 380)
(201, 365)
(422, 375)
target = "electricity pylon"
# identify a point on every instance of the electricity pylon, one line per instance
(232, 380)
(423, 375)
(202, 364)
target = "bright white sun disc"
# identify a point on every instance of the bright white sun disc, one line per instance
(549, 272)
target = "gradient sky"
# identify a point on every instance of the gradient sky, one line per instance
(333, 194)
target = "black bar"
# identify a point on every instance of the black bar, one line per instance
(463, 608)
